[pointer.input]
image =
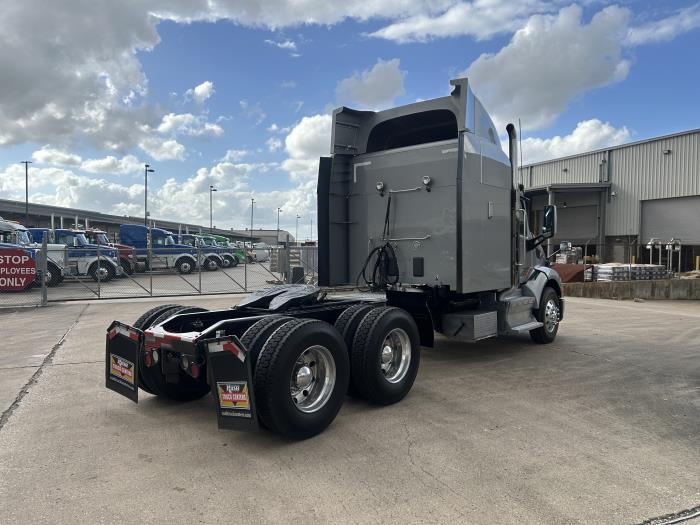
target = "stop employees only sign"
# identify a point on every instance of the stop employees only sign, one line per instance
(17, 270)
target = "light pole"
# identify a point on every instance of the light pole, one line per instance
(278, 226)
(296, 233)
(252, 206)
(146, 170)
(26, 191)
(212, 189)
(311, 229)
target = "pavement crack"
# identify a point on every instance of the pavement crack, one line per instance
(35, 376)
(409, 452)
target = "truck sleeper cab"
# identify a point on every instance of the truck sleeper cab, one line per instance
(419, 209)
(84, 259)
(165, 253)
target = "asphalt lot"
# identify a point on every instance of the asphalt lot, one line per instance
(600, 427)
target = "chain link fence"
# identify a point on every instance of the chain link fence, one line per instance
(70, 273)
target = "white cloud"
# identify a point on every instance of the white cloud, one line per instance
(201, 92)
(253, 111)
(126, 165)
(480, 18)
(288, 45)
(551, 60)
(373, 88)
(49, 155)
(234, 155)
(273, 144)
(665, 29)
(161, 149)
(588, 135)
(189, 124)
(306, 142)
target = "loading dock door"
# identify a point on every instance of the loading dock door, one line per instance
(578, 223)
(677, 217)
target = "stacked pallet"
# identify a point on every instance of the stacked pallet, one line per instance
(626, 272)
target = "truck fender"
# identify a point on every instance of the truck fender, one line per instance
(186, 256)
(101, 259)
(541, 277)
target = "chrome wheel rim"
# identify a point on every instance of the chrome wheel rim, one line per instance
(102, 272)
(395, 355)
(212, 265)
(185, 267)
(551, 315)
(313, 379)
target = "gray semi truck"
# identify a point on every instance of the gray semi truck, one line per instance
(419, 209)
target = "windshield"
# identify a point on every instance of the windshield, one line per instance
(23, 237)
(100, 238)
(67, 238)
(166, 240)
(207, 241)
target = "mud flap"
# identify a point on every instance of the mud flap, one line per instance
(122, 359)
(230, 376)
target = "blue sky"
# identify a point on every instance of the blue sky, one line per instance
(238, 95)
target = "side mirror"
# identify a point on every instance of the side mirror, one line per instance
(75, 242)
(549, 224)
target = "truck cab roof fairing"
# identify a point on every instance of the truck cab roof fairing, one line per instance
(356, 132)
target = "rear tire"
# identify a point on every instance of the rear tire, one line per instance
(127, 266)
(257, 335)
(301, 378)
(347, 324)
(385, 355)
(143, 322)
(188, 388)
(548, 314)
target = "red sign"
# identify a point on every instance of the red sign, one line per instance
(17, 270)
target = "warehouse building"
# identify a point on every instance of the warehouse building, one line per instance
(46, 216)
(612, 202)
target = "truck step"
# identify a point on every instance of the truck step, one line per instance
(527, 326)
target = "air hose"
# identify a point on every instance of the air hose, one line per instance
(386, 269)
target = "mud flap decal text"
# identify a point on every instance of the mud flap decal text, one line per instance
(122, 360)
(230, 376)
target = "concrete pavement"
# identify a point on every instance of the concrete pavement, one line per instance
(600, 427)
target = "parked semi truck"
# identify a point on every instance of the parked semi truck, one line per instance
(164, 251)
(127, 254)
(210, 257)
(84, 259)
(15, 235)
(417, 205)
(237, 253)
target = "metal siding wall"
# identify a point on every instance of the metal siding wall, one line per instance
(643, 172)
(585, 168)
(638, 172)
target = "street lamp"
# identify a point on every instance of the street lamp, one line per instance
(296, 233)
(146, 170)
(252, 206)
(311, 229)
(26, 191)
(212, 189)
(278, 226)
